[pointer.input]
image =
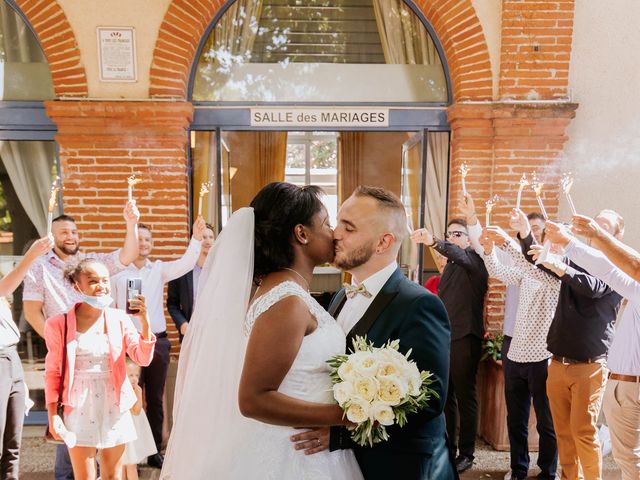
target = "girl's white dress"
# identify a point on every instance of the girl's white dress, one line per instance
(96, 419)
(144, 446)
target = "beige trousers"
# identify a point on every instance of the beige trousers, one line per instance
(622, 411)
(575, 395)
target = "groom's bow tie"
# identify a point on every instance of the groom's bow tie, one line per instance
(353, 290)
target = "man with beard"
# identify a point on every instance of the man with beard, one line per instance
(382, 304)
(47, 293)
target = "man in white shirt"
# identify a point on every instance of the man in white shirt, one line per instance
(154, 275)
(621, 402)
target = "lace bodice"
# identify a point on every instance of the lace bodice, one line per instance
(308, 377)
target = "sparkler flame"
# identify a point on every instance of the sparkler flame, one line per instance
(205, 188)
(132, 180)
(464, 170)
(567, 183)
(55, 188)
(523, 181)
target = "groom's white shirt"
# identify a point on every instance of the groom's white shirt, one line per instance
(354, 308)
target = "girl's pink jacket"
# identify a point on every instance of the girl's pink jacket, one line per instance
(123, 339)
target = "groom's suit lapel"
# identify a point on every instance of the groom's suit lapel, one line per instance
(382, 300)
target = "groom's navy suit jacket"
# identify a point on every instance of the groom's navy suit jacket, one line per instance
(405, 311)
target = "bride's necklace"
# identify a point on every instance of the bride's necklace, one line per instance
(303, 279)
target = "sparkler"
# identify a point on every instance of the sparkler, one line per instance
(523, 183)
(464, 171)
(131, 181)
(53, 197)
(567, 183)
(205, 188)
(492, 202)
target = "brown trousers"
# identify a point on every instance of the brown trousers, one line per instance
(575, 395)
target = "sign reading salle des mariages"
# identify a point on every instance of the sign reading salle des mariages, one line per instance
(320, 117)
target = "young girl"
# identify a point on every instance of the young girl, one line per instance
(97, 396)
(144, 446)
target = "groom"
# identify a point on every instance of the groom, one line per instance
(384, 305)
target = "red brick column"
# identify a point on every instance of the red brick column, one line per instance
(536, 49)
(103, 143)
(500, 142)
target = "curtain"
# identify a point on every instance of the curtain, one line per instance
(403, 36)
(234, 35)
(29, 165)
(350, 150)
(24, 72)
(437, 172)
(271, 155)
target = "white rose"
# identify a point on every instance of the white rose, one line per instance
(365, 364)
(342, 392)
(391, 390)
(414, 380)
(346, 372)
(388, 368)
(365, 388)
(383, 414)
(358, 411)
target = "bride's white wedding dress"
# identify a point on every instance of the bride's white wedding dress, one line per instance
(270, 454)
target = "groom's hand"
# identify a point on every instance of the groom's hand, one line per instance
(312, 441)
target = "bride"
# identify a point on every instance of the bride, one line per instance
(249, 373)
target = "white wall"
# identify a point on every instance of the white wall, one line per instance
(603, 150)
(490, 15)
(144, 15)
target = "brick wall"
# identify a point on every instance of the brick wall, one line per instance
(536, 49)
(101, 145)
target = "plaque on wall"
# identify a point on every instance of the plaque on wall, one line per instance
(117, 54)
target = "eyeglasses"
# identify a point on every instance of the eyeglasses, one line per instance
(456, 234)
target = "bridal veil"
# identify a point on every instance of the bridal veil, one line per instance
(208, 430)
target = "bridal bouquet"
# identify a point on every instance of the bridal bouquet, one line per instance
(378, 387)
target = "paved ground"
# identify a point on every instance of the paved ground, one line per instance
(37, 461)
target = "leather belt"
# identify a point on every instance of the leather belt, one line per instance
(624, 378)
(573, 361)
(161, 334)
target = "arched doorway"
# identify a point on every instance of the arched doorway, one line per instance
(332, 93)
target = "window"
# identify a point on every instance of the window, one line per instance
(312, 159)
(24, 73)
(315, 50)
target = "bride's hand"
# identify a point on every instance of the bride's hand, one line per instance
(312, 441)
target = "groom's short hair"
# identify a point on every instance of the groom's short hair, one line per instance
(396, 215)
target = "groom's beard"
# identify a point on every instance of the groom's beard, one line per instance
(350, 260)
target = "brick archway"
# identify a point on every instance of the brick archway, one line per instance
(455, 23)
(58, 42)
